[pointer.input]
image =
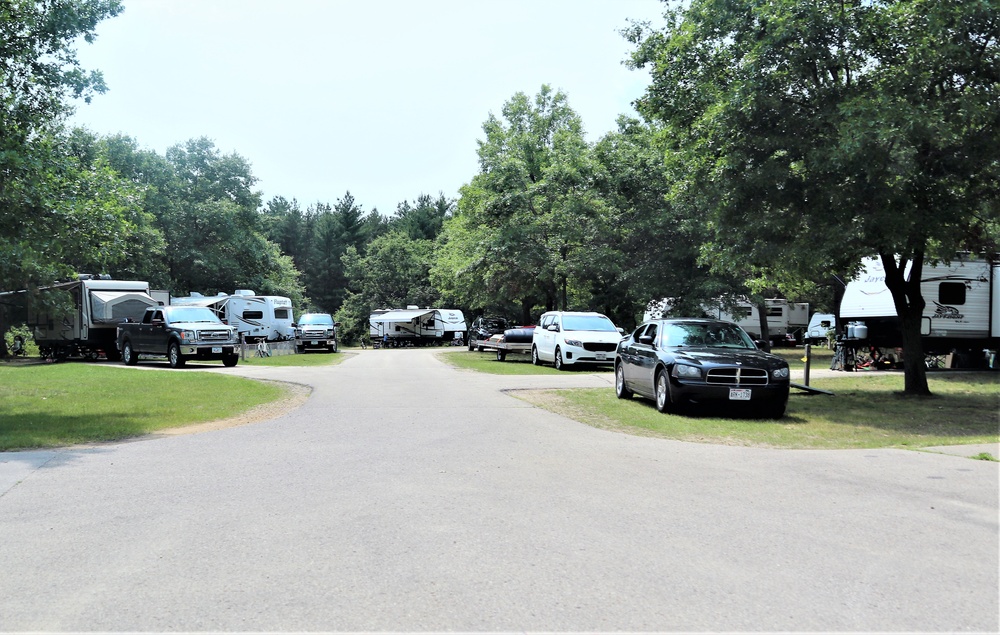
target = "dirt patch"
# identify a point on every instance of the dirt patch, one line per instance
(295, 396)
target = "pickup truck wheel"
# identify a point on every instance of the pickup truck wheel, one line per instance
(128, 354)
(333, 349)
(174, 356)
(230, 360)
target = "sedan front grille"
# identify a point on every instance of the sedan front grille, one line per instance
(738, 376)
(605, 347)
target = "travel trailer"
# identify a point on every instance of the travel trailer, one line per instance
(962, 306)
(820, 324)
(256, 317)
(417, 326)
(89, 328)
(784, 318)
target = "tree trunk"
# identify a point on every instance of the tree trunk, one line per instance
(765, 333)
(909, 303)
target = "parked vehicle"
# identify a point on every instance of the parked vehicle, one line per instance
(88, 329)
(256, 317)
(678, 362)
(962, 309)
(315, 330)
(820, 324)
(180, 333)
(565, 338)
(483, 328)
(413, 326)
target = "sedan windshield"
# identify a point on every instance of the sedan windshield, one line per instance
(587, 323)
(700, 334)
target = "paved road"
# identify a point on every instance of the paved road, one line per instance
(405, 495)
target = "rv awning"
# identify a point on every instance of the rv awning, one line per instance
(401, 316)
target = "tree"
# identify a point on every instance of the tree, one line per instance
(815, 134)
(39, 201)
(526, 227)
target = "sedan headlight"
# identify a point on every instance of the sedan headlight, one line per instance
(780, 373)
(576, 343)
(687, 371)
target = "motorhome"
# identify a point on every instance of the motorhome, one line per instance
(256, 317)
(98, 304)
(962, 305)
(417, 326)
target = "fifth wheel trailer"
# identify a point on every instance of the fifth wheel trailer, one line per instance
(256, 317)
(962, 309)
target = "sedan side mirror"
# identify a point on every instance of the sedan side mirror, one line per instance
(646, 339)
(763, 345)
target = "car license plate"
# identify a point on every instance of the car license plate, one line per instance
(216, 349)
(739, 394)
(600, 356)
(313, 343)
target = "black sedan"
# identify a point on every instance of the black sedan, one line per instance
(684, 361)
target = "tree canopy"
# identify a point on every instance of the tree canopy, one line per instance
(814, 134)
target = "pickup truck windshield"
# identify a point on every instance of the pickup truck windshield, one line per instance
(324, 320)
(191, 314)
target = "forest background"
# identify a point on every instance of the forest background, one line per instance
(778, 145)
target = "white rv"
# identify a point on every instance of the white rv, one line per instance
(962, 305)
(783, 318)
(256, 317)
(820, 324)
(417, 326)
(89, 329)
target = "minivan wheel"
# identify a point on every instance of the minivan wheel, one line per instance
(559, 360)
(534, 356)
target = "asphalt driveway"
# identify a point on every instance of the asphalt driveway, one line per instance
(408, 496)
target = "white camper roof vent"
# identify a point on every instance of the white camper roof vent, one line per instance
(244, 292)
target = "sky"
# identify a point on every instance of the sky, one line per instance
(383, 99)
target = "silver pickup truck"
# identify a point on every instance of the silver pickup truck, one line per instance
(180, 333)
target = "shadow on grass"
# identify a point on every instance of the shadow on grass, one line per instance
(27, 431)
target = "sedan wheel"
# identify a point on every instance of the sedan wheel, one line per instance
(662, 391)
(621, 390)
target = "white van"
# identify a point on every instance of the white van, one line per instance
(565, 338)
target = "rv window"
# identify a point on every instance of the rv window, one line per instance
(253, 315)
(951, 293)
(774, 311)
(281, 314)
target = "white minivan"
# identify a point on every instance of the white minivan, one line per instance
(575, 337)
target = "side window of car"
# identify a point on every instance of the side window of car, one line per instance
(651, 332)
(546, 320)
(637, 333)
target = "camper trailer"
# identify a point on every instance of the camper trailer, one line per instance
(89, 329)
(785, 320)
(415, 326)
(256, 317)
(820, 324)
(962, 306)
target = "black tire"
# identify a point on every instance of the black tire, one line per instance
(621, 388)
(472, 346)
(230, 360)
(559, 360)
(333, 349)
(773, 410)
(662, 391)
(174, 357)
(501, 355)
(534, 356)
(128, 354)
(300, 349)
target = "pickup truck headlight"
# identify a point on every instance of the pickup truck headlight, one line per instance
(189, 336)
(682, 370)
(576, 343)
(780, 373)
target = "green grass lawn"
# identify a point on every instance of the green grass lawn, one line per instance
(866, 411)
(46, 405)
